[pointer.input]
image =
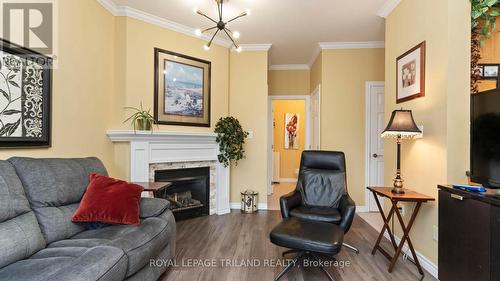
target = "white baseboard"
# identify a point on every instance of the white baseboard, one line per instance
(426, 264)
(290, 180)
(237, 206)
(362, 209)
(223, 211)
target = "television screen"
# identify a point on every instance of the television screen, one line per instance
(485, 138)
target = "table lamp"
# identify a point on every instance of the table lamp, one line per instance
(401, 126)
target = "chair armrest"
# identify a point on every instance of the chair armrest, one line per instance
(347, 209)
(153, 207)
(289, 201)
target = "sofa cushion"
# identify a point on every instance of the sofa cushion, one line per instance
(109, 200)
(54, 187)
(69, 263)
(139, 242)
(20, 235)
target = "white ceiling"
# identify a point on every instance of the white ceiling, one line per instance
(294, 27)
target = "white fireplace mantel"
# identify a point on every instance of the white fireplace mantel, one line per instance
(170, 147)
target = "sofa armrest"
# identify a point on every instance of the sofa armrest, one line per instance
(153, 207)
(347, 209)
(289, 201)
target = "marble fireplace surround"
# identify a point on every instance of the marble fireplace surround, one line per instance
(151, 151)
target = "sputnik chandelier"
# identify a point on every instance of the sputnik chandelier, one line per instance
(220, 26)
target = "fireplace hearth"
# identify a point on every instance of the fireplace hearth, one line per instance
(189, 194)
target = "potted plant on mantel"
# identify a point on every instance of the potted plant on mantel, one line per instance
(231, 138)
(141, 119)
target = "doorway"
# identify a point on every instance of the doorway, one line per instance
(375, 120)
(290, 134)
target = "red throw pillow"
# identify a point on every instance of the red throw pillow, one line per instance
(109, 200)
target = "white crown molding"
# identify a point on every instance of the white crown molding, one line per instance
(352, 45)
(125, 11)
(387, 8)
(289, 67)
(254, 47)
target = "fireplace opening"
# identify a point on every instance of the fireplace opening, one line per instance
(189, 193)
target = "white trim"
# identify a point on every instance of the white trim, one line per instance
(288, 180)
(362, 209)
(352, 45)
(126, 11)
(387, 8)
(368, 85)
(237, 206)
(289, 67)
(255, 47)
(426, 263)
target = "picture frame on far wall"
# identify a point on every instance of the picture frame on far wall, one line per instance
(25, 97)
(410, 74)
(182, 89)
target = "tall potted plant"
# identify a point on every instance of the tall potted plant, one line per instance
(231, 138)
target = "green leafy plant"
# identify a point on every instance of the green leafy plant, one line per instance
(484, 12)
(141, 119)
(231, 138)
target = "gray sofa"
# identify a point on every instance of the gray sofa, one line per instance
(38, 241)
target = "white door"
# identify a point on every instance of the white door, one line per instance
(315, 119)
(376, 124)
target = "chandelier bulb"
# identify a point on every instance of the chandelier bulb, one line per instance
(239, 49)
(206, 47)
(197, 32)
(248, 12)
(236, 34)
(195, 10)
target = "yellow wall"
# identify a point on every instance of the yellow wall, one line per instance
(316, 73)
(289, 158)
(289, 82)
(344, 73)
(441, 156)
(135, 43)
(248, 102)
(82, 84)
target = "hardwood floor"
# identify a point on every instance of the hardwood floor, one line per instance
(235, 238)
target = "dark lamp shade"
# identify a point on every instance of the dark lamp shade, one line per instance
(401, 125)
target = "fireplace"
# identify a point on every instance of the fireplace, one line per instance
(189, 194)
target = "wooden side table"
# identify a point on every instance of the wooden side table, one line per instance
(408, 196)
(156, 188)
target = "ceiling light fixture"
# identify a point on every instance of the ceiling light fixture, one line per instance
(221, 25)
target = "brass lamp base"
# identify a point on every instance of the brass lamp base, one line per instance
(398, 186)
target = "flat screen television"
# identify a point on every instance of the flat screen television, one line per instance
(485, 138)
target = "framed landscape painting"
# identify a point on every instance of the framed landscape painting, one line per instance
(182, 90)
(410, 74)
(25, 97)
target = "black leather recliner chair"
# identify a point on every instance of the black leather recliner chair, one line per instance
(321, 192)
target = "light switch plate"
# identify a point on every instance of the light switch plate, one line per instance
(435, 233)
(250, 134)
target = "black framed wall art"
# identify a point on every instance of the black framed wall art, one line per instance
(182, 90)
(410, 74)
(25, 97)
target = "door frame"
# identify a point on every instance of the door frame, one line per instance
(368, 99)
(318, 91)
(270, 133)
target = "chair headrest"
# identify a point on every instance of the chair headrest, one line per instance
(324, 160)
